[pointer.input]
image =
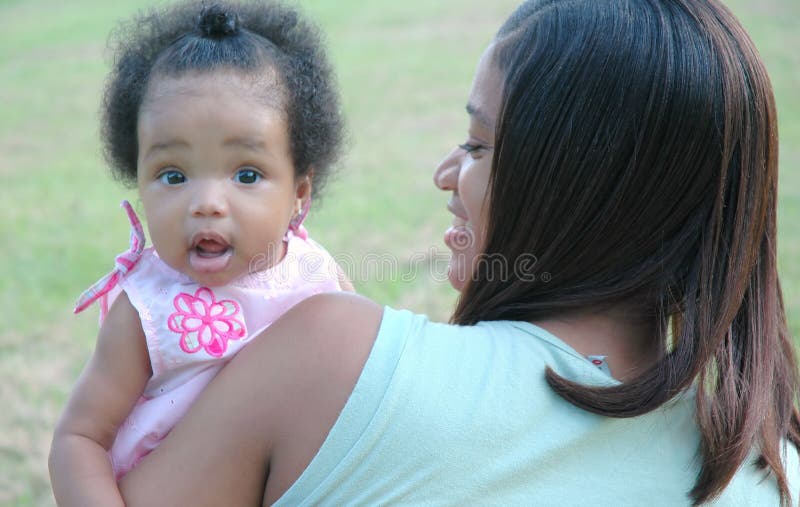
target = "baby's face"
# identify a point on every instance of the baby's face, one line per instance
(215, 176)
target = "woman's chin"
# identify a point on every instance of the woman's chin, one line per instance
(461, 242)
(457, 284)
(457, 273)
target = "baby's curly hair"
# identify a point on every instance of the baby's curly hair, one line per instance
(253, 38)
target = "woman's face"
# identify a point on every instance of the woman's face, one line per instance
(465, 172)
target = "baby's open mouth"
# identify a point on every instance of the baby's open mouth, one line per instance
(210, 253)
(211, 248)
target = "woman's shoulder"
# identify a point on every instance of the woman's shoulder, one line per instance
(339, 327)
(348, 310)
(349, 324)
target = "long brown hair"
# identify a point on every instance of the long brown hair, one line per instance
(636, 156)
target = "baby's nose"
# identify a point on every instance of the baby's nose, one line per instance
(209, 200)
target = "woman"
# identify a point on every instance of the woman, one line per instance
(619, 183)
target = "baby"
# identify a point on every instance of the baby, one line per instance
(223, 117)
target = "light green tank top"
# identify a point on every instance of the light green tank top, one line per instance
(451, 415)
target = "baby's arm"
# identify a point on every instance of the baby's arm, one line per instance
(104, 395)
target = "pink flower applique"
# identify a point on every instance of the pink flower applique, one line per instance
(205, 323)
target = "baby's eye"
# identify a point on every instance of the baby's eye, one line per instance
(172, 177)
(247, 176)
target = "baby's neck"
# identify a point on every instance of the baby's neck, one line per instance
(264, 264)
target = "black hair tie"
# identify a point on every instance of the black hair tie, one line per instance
(217, 23)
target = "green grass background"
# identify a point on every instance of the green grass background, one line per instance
(404, 70)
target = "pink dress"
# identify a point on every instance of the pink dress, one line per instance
(192, 330)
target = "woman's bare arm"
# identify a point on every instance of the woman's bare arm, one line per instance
(263, 418)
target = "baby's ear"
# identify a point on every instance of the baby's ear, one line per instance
(304, 185)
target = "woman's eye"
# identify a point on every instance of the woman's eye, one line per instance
(172, 178)
(474, 150)
(247, 176)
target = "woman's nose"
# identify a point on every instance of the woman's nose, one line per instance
(446, 175)
(208, 199)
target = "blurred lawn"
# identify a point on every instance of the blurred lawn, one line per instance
(404, 69)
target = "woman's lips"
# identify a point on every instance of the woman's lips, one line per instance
(457, 210)
(459, 238)
(459, 222)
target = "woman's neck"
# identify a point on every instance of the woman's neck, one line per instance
(630, 345)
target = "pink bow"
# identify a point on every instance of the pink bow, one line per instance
(123, 263)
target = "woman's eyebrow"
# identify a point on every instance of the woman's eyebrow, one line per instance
(480, 116)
